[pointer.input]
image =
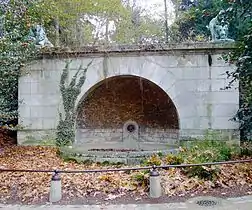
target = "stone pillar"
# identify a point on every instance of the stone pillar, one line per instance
(131, 135)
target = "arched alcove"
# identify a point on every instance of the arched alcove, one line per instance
(117, 99)
(106, 107)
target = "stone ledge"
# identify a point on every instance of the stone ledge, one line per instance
(118, 49)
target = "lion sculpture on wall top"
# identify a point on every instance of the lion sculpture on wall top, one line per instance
(218, 27)
(37, 34)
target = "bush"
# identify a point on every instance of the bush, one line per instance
(173, 159)
(210, 149)
(141, 178)
(203, 172)
(153, 160)
(200, 151)
(207, 150)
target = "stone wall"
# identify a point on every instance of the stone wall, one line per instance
(182, 71)
(114, 138)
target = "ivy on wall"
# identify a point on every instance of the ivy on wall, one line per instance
(65, 130)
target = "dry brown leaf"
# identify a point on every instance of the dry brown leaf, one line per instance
(34, 187)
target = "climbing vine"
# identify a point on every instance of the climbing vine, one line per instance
(69, 92)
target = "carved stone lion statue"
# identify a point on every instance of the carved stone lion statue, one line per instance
(218, 27)
(38, 35)
(187, 4)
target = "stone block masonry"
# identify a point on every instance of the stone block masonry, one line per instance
(160, 89)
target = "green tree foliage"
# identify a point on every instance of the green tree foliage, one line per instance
(148, 31)
(191, 25)
(138, 27)
(14, 54)
(242, 57)
(69, 19)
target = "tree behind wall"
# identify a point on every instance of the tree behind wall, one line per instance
(15, 53)
(191, 24)
(241, 13)
(70, 16)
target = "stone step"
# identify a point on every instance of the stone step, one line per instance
(81, 154)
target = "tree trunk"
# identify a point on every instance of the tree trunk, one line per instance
(57, 33)
(166, 24)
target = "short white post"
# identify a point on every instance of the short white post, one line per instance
(55, 188)
(155, 185)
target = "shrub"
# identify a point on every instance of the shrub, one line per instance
(173, 159)
(153, 160)
(210, 149)
(141, 178)
(203, 172)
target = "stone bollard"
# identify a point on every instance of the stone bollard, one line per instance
(155, 185)
(55, 188)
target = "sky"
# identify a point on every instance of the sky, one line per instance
(155, 6)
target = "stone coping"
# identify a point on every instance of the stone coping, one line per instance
(120, 49)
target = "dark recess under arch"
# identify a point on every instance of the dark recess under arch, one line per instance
(115, 100)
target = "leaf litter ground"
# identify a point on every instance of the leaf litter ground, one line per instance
(112, 187)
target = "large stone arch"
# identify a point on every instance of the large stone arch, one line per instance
(102, 86)
(153, 69)
(158, 129)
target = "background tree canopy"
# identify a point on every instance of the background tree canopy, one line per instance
(192, 23)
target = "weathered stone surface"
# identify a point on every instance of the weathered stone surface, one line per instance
(113, 138)
(35, 136)
(182, 71)
(130, 157)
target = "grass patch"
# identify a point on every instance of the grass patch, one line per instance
(208, 149)
(34, 142)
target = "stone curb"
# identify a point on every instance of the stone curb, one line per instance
(239, 200)
(243, 199)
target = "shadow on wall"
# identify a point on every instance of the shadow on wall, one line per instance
(121, 98)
